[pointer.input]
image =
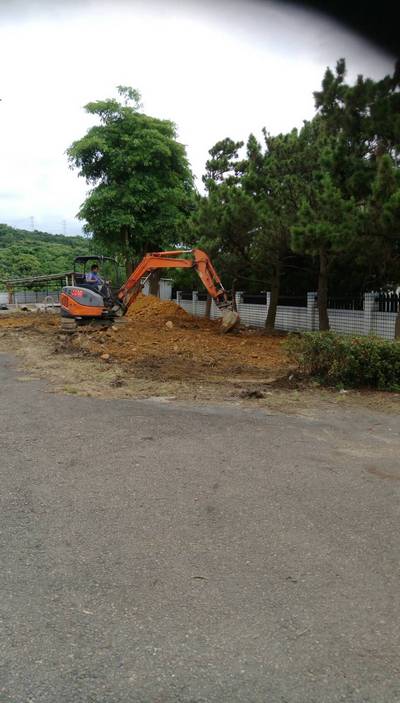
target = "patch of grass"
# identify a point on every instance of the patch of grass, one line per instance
(71, 390)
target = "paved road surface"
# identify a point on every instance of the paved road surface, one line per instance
(160, 553)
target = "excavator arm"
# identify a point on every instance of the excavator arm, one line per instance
(172, 259)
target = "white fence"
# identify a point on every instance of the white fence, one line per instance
(290, 318)
(21, 297)
(30, 297)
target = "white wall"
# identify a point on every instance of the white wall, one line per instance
(351, 321)
(29, 296)
(165, 288)
(293, 319)
(383, 324)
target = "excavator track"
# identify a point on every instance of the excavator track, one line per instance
(68, 324)
(119, 321)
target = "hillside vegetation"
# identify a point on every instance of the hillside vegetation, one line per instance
(24, 253)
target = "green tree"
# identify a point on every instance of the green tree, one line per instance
(142, 186)
(276, 178)
(363, 122)
(327, 222)
(250, 206)
(26, 253)
(383, 215)
(226, 214)
(356, 125)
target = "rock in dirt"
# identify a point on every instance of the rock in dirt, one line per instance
(251, 393)
(105, 357)
(169, 324)
(117, 383)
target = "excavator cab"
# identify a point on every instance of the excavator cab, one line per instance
(109, 270)
(90, 300)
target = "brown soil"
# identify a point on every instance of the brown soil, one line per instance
(160, 340)
(147, 356)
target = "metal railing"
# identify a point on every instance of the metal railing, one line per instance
(346, 303)
(388, 302)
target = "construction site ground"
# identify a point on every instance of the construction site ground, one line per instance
(160, 351)
(169, 537)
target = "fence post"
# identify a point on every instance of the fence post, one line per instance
(195, 297)
(238, 299)
(267, 302)
(311, 308)
(369, 307)
(178, 297)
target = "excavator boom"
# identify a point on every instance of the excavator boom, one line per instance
(199, 261)
(171, 259)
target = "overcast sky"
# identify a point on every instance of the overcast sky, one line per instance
(216, 69)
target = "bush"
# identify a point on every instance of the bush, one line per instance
(348, 361)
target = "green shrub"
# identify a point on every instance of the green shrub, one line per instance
(338, 359)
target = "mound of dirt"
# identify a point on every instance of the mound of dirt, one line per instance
(148, 307)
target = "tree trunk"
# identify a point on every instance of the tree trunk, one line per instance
(154, 283)
(323, 292)
(207, 313)
(128, 258)
(128, 267)
(273, 302)
(233, 293)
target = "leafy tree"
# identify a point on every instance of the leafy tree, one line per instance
(366, 115)
(383, 218)
(327, 193)
(383, 214)
(276, 178)
(364, 121)
(357, 125)
(326, 224)
(251, 204)
(142, 186)
(26, 253)
(225, 216)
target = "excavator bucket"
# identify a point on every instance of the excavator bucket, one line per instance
(230, 319)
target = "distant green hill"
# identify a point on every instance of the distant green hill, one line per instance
(24, 253)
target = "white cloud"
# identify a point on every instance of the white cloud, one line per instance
(215, 69)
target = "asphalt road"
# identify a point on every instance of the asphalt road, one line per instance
(161, 553)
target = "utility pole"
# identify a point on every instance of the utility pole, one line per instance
(64, 226)
(32, 221)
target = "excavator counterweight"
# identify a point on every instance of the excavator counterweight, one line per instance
(85, 302)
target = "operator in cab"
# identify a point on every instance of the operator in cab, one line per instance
(94, 276)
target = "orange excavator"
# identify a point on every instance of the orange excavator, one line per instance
(86, 301)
